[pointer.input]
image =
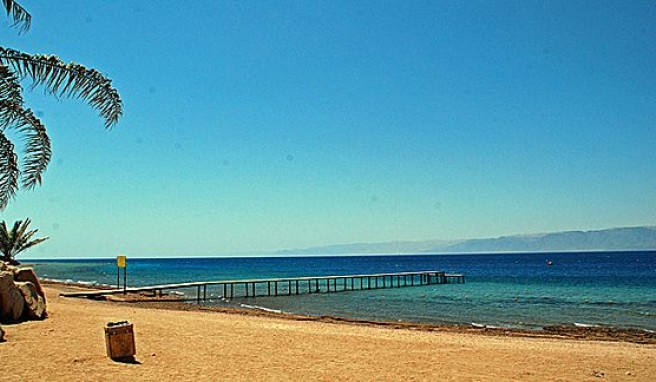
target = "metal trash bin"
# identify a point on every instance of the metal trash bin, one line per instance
(119, 339)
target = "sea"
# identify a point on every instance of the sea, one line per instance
(519, 290)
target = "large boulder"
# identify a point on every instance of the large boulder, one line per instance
(35, 305)
(12, 302)
(28, 275)
(21, 294)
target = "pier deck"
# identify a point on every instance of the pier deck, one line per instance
(290, 286)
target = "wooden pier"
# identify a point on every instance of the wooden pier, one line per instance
(231, 289)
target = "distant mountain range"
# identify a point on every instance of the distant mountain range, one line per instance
(602, 240)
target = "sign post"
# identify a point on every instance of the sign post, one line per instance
(121, 263)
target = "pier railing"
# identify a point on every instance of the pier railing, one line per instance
(231, 289)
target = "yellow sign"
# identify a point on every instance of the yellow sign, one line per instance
(120, 261)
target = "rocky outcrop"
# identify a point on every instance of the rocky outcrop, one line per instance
(28, 275)
(21, 295)
(35, 305)
(11, 299)
(2, 334)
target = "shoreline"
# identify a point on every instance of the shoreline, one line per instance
(172, 303)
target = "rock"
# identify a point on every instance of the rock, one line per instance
(11, 299)
(28, 275)
(2, 334)
(21, 294)
(35, 305)
(6, 267)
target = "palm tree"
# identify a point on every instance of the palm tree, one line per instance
(17, 240)
(59, 79)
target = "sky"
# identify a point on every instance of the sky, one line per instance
(255, 126)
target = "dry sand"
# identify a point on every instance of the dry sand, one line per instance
(209, 346)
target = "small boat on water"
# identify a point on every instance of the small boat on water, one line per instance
(549, 262)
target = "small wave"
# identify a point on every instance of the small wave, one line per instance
(507, 325)
(260, 308)
(608, 303)
(483, 326)
(70, 281)
(581, 325)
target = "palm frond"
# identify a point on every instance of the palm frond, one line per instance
(9, 171)
(10, 88)
(17, 240)
(5, 243)
(67, 80)
(32, 243)
(21, 17)
(23, 237)
(38, 151)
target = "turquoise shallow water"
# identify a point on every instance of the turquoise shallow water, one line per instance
(507, 290)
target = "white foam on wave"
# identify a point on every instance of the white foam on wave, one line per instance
(260, 308)
(500, 326)
(581, 325)
(70, 281)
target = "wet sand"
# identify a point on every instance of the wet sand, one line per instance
(194, 344)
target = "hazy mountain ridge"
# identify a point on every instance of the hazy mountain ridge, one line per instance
(627, 238)
(609, 239)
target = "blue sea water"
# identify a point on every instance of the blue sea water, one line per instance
(615, 289)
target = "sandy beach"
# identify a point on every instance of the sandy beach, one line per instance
(198, 345)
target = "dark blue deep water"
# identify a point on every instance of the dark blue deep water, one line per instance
(508, 290)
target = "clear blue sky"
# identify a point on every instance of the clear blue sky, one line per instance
(255, 126)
